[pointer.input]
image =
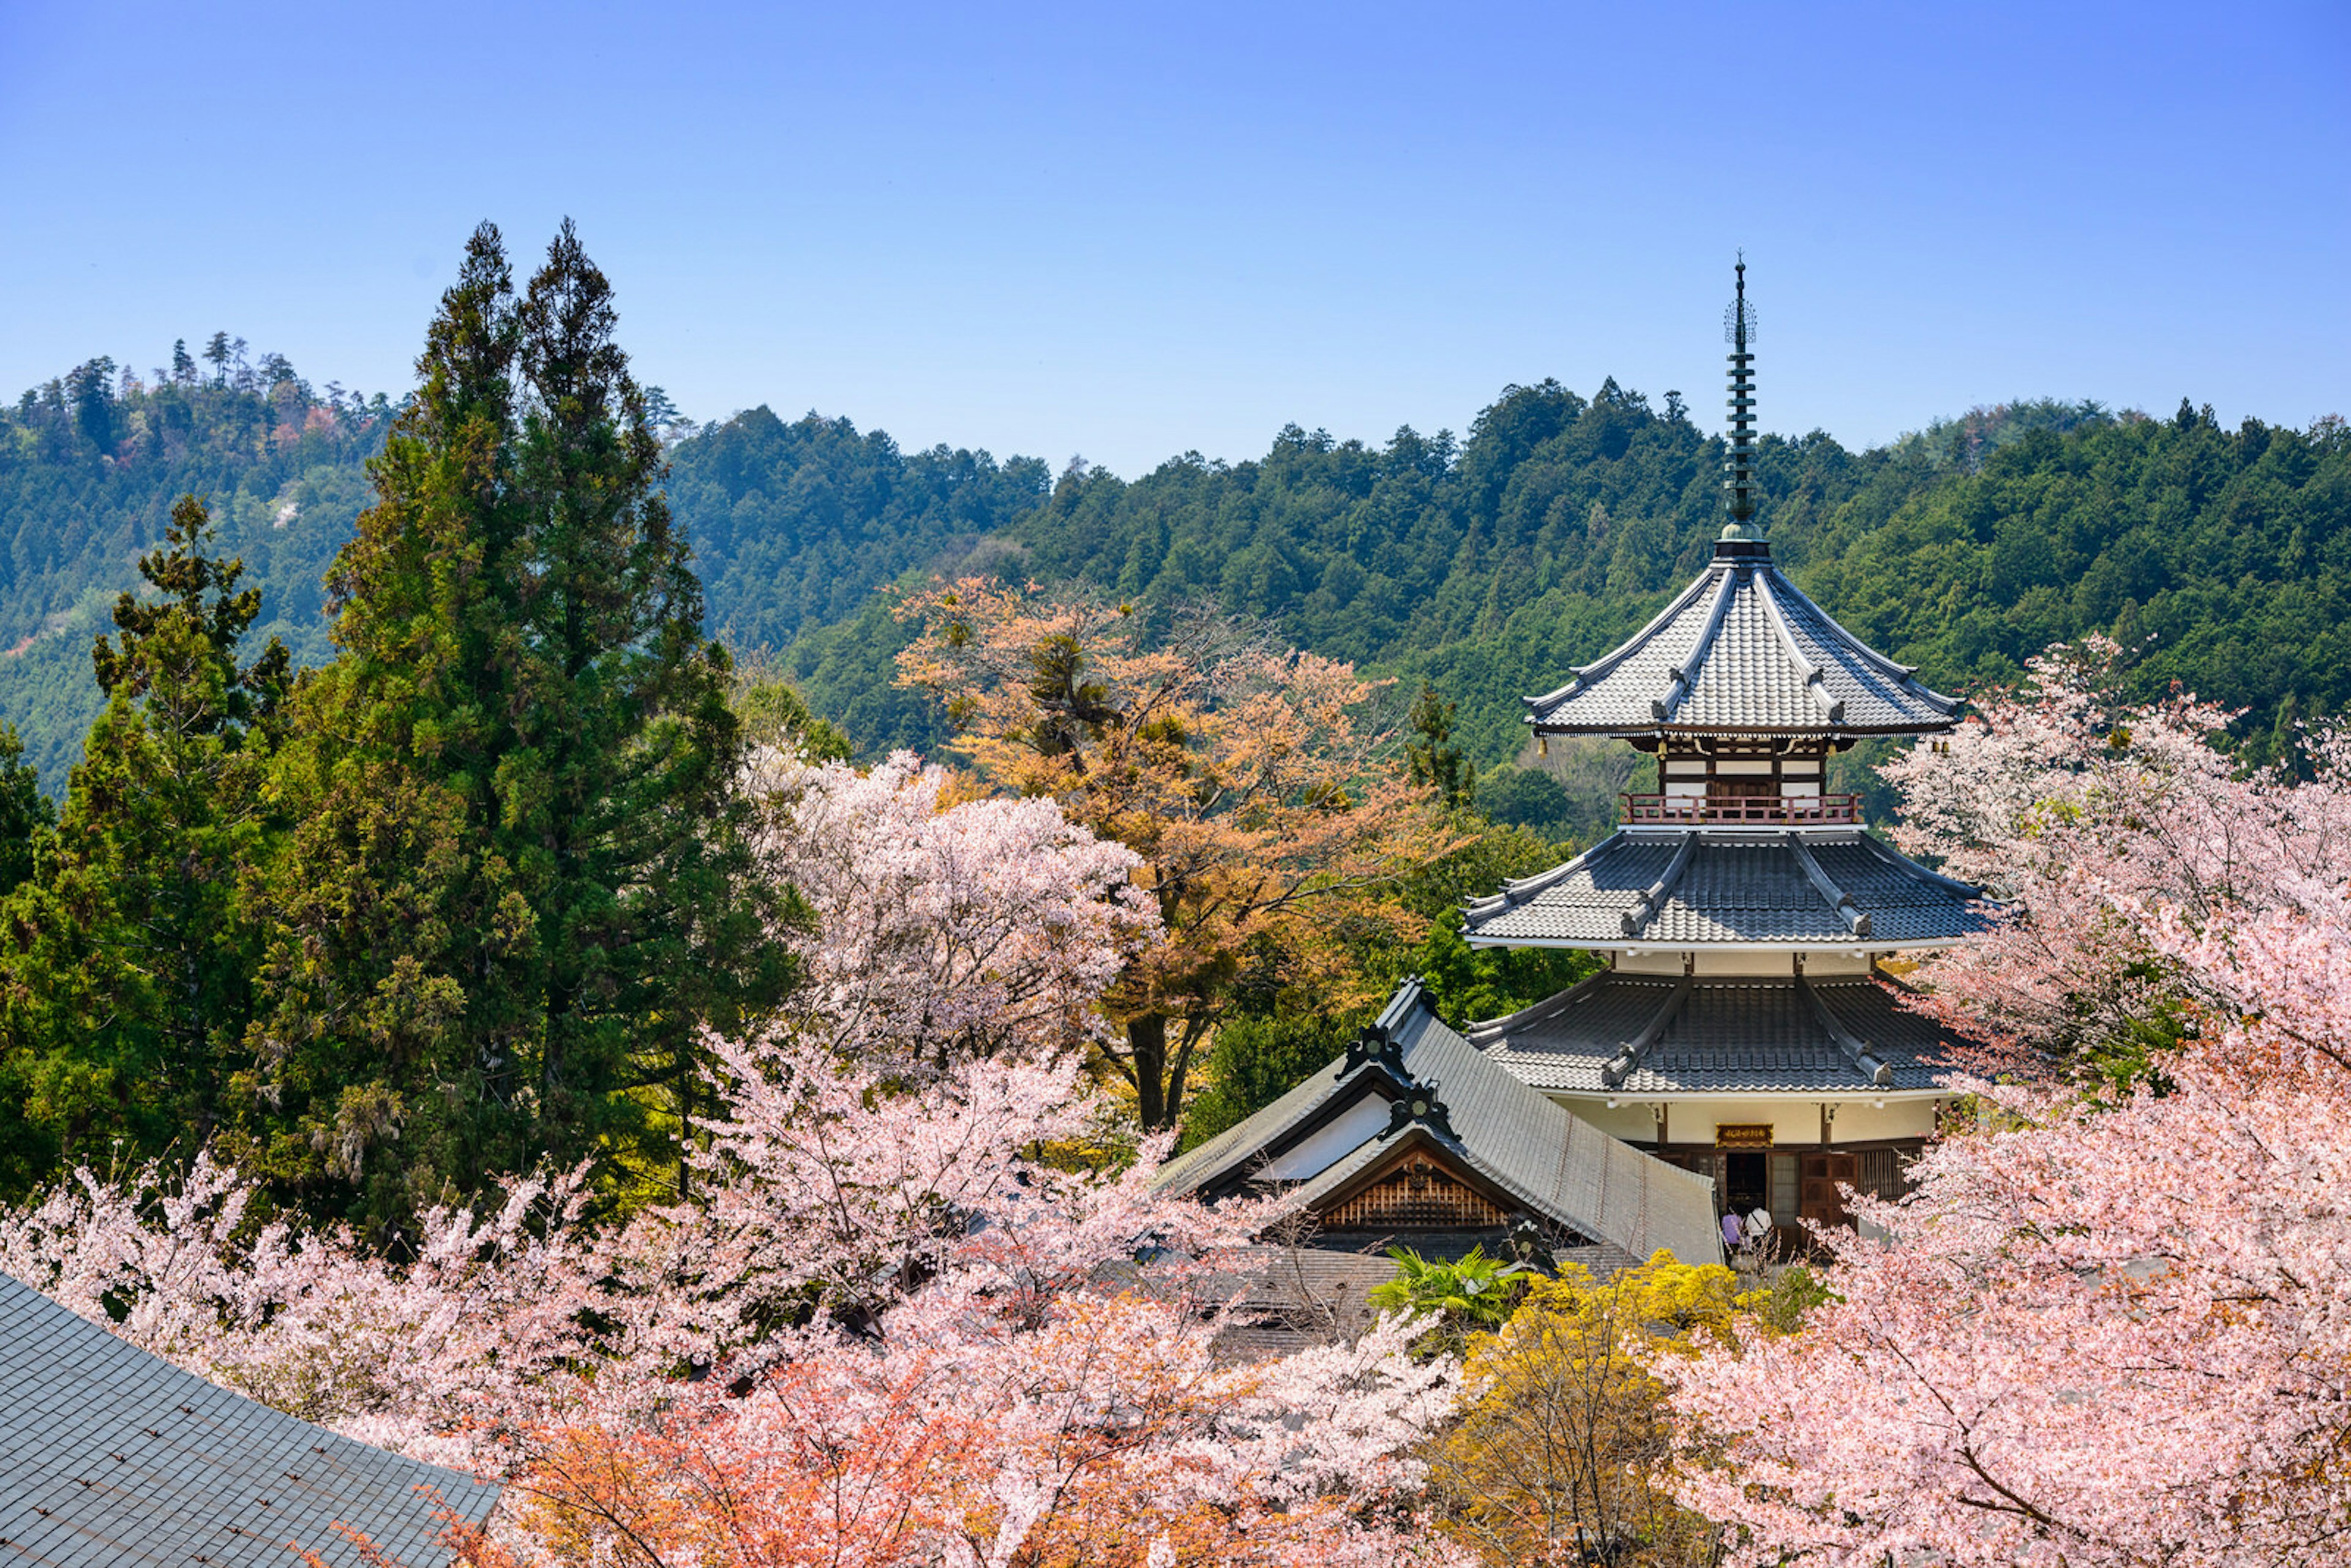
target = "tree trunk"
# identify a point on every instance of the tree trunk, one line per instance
(1146, 1045)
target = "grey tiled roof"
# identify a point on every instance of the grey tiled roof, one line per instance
(1742, 649)
(111, 1456)
(1239, 1146)
(1558, 1168)
(1735, 885)
(1726, 1036)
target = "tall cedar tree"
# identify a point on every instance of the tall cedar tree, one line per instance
(520, 880)
(1432, 759)
(129, 952)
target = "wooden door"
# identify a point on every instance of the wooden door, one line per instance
(1742, 800)
(1822, 1173)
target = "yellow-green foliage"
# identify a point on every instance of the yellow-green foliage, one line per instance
(1565, 1441)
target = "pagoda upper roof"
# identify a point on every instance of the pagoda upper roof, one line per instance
(1699, 887)
(1742, 650)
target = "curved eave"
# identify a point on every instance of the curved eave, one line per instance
(1742, 732)
(1743, 615)
(1619, 1098)
(1827, 889)
(1857, 947)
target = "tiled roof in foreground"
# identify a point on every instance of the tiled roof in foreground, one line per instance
(110, 1456)
(1642, 1034)
(1557, 1167)
(1694, 886)
(1742, 650)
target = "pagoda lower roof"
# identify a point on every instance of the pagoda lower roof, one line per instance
(1702, 887)
(1742, 651)
(1642, 1035)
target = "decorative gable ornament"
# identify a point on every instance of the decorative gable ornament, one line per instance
(1374, 1047)
(1419, 1106)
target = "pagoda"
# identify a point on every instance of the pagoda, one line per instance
(1744, 1027)
(1743, 1048)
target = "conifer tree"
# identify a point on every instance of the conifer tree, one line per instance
(1431, 757)
(26, 814)
(129, 952)
(519, 881)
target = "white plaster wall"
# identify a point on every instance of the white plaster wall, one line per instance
(1631, 1120)
(1860, 1120)
(1795, 1124)
(1326, 1147)
(1749, 966)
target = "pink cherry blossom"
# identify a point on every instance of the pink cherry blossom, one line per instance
(2101, 1330)
(924, 1305)
(946, 929)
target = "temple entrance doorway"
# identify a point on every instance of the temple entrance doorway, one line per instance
(1822, 1200)
(1746, 1181)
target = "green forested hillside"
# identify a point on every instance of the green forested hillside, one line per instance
(1486, 565)
(2222, 557)
(795, 525)
(89, 466)
(1561, 525)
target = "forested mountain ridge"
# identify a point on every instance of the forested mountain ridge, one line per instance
(90, 464)
(795, 524)
(2221, 558)
(1487, 565)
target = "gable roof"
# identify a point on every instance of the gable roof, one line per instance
(1741, 650)
(1643, 1035)
(1519, 1141)
(112, 1456)
(1650, 888)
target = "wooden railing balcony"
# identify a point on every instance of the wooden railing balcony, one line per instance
(1758, 809)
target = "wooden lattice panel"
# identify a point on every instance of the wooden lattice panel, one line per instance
(1416, 1193)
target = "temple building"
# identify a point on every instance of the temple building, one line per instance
(1416, 1136)
(1744, 1046)
(110, 1458)
(1744, 1028)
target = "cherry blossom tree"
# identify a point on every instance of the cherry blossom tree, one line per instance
(1109, 1434)
(446, 1357)
(2111, 1328)
(945, 928)
(2080, 810)
(896, 1334)
(925, 1306)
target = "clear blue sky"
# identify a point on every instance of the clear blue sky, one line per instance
(1127, 231)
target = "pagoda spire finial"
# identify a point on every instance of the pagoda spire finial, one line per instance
(1738, 331)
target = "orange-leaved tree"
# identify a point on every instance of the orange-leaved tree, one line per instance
(1269, 814)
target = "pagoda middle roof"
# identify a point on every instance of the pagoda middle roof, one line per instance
(1741, 650)
(1699, 887)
